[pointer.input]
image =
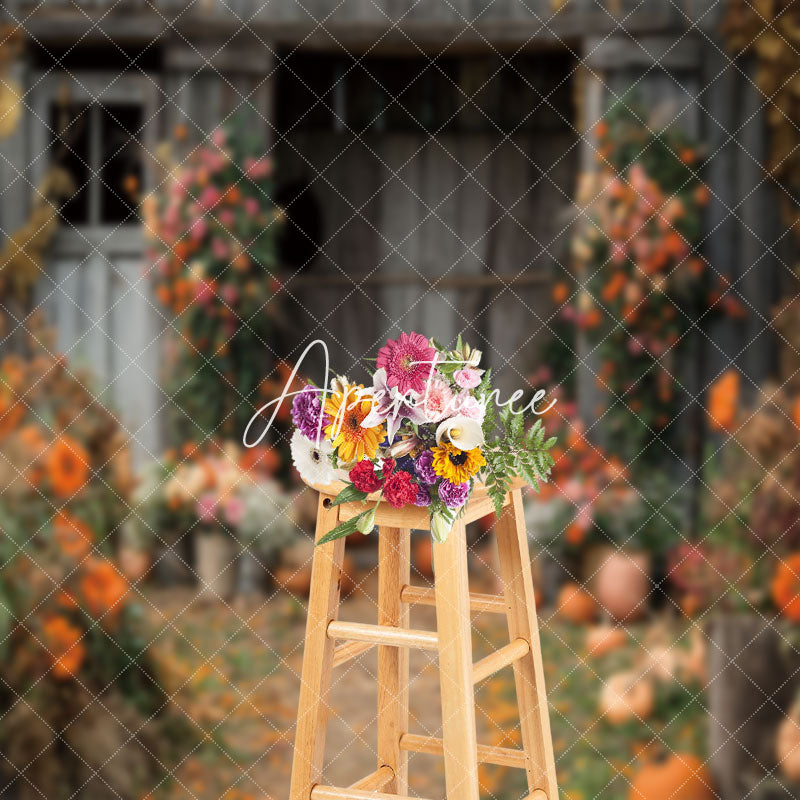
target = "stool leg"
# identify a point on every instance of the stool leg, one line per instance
(455, 665)
(312, 708)
(394, 572)
(515, 569)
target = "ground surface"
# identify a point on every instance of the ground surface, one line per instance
(234, 672)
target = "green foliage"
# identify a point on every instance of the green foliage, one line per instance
(517, 452)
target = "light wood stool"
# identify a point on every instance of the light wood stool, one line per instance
(452, 641)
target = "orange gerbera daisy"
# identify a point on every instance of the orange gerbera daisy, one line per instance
(67, 466)
(347, 410)
(786, 587)
(63, 642)
(103, 588)
(73, 535)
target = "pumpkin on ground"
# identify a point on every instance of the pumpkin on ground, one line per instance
(675, 661)
(575, 604)
(626, 696)
(682, 776)
(787, 746)
(604, 639)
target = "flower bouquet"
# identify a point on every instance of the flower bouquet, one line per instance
(424, 434)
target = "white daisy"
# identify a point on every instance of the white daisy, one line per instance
(313, 463)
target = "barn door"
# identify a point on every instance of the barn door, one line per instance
(96, 291)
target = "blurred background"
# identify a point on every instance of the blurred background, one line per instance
(601, 195)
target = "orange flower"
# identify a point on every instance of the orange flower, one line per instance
(67, 466)
(181, 132)
(702, 195)
(687, 155)
(796, 413)
(103, 588)
(613, 288)
(591, 319)
(560, 292)
(601, 129)
(11, 410)
(722, 399)
(786, 587)
(63, 642)
(73, 535)
(575, 534)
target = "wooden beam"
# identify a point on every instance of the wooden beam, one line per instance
(383, 635)
(420, 595)
(375, 781)
(349, 650)
(506, 655)
(487, 754)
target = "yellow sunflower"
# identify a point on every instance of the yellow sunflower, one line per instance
(345, 431)
(456, 466)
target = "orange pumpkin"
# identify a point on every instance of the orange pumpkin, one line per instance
(682, 776)
(575, 604)
(627, 695)
(603, 639)
(787, 746)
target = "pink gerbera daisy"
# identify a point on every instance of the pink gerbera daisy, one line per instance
(408, 362)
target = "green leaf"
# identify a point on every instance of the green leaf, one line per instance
(344, 529)
(348, 495)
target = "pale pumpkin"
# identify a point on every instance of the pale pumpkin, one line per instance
(622, 584)
(575, 604)
(682, 776)
(604, 639)
(787, 746)
(674, 661)
(626, 696)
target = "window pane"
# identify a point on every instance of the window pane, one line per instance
(120, 163)
(69, 148)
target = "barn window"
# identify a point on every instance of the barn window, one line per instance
(98, 144)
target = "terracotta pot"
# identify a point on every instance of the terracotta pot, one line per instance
(621, 582)
(422, 555)
(787, 746)
(215, 564)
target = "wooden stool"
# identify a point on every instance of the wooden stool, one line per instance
(392, 635)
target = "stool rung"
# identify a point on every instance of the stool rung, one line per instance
(494, 604)
(502, 657)
(375, 781)
(334, 793)
(487, 753)
(383, 634)
(345, 652)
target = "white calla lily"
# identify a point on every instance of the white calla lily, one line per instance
(463, 432)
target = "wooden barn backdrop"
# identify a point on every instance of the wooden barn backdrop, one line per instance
(427, 152)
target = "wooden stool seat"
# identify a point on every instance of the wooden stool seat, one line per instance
(331, 642)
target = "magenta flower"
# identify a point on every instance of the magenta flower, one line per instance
(408, 362)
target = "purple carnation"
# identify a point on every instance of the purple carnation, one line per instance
(306, 412)
(454, 495)
(423, 496)
(423, 466)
